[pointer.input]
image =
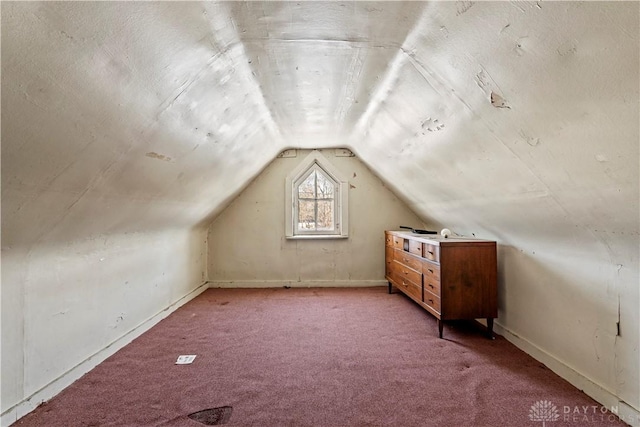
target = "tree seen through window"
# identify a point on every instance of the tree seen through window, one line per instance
(316, 202)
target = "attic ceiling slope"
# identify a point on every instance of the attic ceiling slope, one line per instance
(563, 135)
(123, 117)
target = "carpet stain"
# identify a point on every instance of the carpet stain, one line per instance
(212, 416)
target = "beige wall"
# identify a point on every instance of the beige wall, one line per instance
(247, 246)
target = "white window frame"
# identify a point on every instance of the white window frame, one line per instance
(315, 159)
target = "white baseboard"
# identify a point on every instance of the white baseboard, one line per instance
(606, 398)
(28, 404)
(295, 284)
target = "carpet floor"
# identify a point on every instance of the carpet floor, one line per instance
(318, 357)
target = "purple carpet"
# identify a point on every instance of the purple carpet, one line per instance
(317, 357)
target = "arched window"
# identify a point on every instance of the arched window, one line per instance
(316, 200)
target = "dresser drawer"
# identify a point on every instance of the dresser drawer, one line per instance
(431, 271)
(415, 247)
(431, 252)
(398, 242)
(407, 259)
(405, 273)
(432, 286)
(410, 289)
(432, 300)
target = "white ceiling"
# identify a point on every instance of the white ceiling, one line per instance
(121, 116)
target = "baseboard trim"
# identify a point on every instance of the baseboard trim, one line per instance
(28, 404)
(606, 398)
(296, 284)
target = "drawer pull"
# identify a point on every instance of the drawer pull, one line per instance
(430, 300)
(430, 285)
(431, 271)
(430, 252)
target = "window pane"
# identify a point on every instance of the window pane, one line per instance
(306, 188)
(306, 215)
(325, 215)
(325, 187)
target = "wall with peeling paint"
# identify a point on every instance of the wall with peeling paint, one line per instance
(128, 125)
(248, 248)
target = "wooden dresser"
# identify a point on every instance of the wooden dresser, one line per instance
(452, 278)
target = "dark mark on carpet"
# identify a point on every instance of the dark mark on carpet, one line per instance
(213, 416)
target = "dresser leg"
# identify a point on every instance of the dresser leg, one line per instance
(389, 286)
(440, 327)
(490, 328)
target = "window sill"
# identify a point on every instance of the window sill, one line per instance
(316, 237)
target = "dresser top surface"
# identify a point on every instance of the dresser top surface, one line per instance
(436, 239)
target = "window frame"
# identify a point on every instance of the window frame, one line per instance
(341, 199)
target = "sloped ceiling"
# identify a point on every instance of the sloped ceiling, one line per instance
(120, 116)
